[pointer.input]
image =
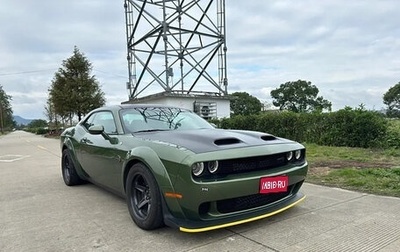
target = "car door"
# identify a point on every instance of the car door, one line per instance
(99, 157)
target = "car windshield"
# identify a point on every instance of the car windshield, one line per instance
(148, 119)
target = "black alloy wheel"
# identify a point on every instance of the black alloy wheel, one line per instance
(143, 198)
(69, 174)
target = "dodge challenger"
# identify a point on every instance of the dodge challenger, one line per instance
(176, 169)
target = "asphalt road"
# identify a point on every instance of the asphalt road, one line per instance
(39, 213)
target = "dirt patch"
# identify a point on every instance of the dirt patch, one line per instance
(337, 164)
(318, 171)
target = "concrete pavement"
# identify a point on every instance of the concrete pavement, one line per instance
(39, 213)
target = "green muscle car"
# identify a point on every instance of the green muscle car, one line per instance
(175, 168)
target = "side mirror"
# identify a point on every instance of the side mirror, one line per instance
(99, 130)
(96, 129)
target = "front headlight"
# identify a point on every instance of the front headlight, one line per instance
(289, 156)
(213, 166)
(197, 168)
(297, 154)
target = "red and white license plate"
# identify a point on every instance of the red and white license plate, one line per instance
(274, 184)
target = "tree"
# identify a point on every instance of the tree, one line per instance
(6, 113)
(38, 123)
(299, 96)
(244, 104)
(74, 91)
(53, 118)
(49, 111)
(392, 99)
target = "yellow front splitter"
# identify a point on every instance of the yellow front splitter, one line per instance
(198, 230)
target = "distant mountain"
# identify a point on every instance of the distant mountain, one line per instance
(22, 121)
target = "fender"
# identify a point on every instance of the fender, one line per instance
(149, 157)
(67, 144)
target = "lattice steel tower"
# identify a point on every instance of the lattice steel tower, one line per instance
(177, 45)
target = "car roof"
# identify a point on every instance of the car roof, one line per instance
(129, 106)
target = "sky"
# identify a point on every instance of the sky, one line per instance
(350, 50)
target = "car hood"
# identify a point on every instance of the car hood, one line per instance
(207, 140)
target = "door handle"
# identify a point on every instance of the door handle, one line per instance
(85, 140)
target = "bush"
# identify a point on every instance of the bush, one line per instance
(354, 128)
(38, 131)
(346, 127)
(42, 131)
(392, 138)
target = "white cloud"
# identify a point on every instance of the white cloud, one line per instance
(348, 49)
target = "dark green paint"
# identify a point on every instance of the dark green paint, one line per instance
(105, 159)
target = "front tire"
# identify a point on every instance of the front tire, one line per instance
(143, 198)
(69, 174)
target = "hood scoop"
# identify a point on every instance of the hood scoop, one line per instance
(268, 137)
(227, 141)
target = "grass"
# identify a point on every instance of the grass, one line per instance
(317, 153)
(364, 170)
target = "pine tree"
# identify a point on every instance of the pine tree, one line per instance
(6, 112)
(74, 91)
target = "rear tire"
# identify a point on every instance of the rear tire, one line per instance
(143, 198)
(68, 171)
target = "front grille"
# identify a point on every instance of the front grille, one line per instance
(250, 201)
(240, 165)
(247, 165)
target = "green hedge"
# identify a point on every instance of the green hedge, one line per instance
(346, 127)
(38, 131)
(393, 134)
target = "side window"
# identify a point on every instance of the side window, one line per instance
(89, 122)
(104, 118)
(134, 122)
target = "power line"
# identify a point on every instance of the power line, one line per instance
(27, 72)
(110, 74)
(53, 69)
